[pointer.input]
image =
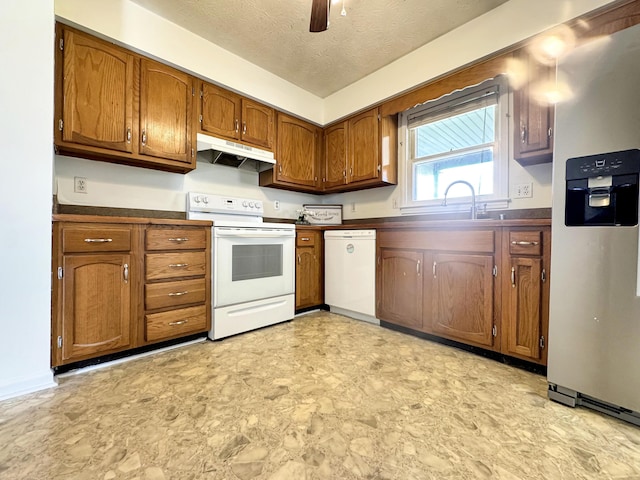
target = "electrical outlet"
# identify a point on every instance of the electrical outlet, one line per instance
(524, 190)
(79, 184)
(276, 204)
(353, 206)
(395, 203)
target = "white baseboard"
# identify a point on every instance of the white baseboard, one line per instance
(356, 315)
(30, 385)
(98, 366)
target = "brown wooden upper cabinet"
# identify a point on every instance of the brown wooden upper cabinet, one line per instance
(533, 142)
(361, 152)
(166, 102)
(335, 156)
(114, 105)
(227, 114)
(96, 93)
(297, 153)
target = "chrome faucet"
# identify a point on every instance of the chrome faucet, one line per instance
(473, 197)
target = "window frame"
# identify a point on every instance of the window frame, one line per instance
(450, 105)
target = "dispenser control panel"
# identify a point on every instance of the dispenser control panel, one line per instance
(616, 163)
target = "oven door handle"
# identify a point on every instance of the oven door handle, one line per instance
(241, 233)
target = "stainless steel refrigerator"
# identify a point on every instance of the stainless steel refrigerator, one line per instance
(594, 324)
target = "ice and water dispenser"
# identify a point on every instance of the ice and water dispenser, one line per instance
(602, 190)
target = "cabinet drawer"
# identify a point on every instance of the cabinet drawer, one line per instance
(175, 239)
(174, 265)
(525, 243)
(174, 323)
(305, 239)
(174, 294)
(101, 239)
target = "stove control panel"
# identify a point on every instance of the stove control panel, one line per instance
(209, 203)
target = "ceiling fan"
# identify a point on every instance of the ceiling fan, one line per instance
(319, 15)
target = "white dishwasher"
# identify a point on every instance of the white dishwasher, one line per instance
(350, 273)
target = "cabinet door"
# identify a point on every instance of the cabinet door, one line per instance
(96, 305)
(533, 135)
(296, 152)
(400, 287)
(335, 155)
(462, 306)
(364, 145)
(166, 102)
(524, 321)
(219, 111)
(257, 124)
(308, 277)
(97, 99)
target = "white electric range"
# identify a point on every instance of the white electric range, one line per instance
(253, 262)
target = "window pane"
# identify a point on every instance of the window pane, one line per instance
(456, 132)
(432, 178)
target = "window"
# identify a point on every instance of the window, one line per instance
(462, 136)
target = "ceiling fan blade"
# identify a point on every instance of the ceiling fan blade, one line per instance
(319, 15)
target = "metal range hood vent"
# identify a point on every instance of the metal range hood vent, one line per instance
(232, 154)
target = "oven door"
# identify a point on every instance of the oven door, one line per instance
(252, 263)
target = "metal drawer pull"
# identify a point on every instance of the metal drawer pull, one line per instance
(126, 273)
(98, 240)
(180, 322)
(305, 239)
(524, 243)
(178, 294)
(178, 265)
(513, 276)
(179, 239)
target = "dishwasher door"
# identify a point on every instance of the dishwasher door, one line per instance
(350, 272)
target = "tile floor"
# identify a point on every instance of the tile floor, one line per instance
(321, 397)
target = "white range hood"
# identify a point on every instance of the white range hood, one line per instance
(232, 154)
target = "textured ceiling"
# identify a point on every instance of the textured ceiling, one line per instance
(274, 34)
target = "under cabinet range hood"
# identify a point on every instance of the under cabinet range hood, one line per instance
(226, 152)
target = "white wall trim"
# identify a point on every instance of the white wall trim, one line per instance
(28, 385)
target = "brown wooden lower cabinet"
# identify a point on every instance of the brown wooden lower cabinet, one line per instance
(463, 296)
(100, 301)
(96, 305)
(525, 287)
(400, 287)
(309, 268)
(486, 287)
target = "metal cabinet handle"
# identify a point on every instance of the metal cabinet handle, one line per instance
(98, 240)
(244, 127)
(418, 267)
(523, 134)
(299, 261)
(237, 126)
(178, 265)
(513, 277)
(125, 272)
(434, 269)
(179, 239)
(180, 322)
(178, 294)
(524, 244)
(129, 135)
(305, 239)
(144, 137)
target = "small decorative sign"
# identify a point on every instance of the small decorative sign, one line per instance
(323, 214)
